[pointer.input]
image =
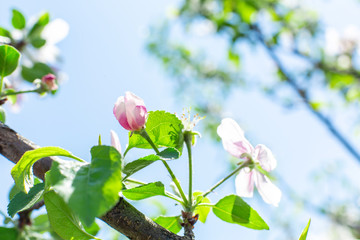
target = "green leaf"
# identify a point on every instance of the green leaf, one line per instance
(93, 229)
(233, 209)
(9, 60)
(5, 33)
(170, 223)
(38, 42)
(18, 19)
(203, 211)
(36, 30)
(12, 98)
(63, 221)
(37, 71)
(164, 129)
(145, 191)
(2, 115)
(8, 233)
(305, 231)
(137, 165)
(89, 189)
(41, 223)
(22, 172)
(23, 201)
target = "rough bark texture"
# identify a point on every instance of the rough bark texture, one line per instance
(123, 217)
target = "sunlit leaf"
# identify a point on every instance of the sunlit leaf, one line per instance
(63, 221)
(92, 189)
(305, 231)
(233, 209)
(22, 172)
(9, 60)
(164, 129)
(145, 191)
(170, 223)
(18, 19)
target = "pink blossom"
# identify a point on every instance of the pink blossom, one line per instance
(130, 111)
(49, 81)
(236, 144)
(115, 142)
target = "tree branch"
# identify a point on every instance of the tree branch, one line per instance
(303, 95)
(123, 216)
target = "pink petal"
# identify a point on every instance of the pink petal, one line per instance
(135, 111)
(270, 193)
(115, 142)
(120, 113)
(233, 138)
(265, 157)
(244, 183)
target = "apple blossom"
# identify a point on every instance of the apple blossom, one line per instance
(130, 111)
(236, 144)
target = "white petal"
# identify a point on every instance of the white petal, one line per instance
(270, 193)
(115, 142)
(244, 183)
(265, 157)
(233, 138)
(55, 31)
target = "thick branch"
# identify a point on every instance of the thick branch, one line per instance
(123, 216)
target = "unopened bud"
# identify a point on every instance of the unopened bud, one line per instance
(49, 81)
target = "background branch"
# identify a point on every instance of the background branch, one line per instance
(123, 216)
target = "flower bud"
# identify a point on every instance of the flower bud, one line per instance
(130, 111)
(49, 82)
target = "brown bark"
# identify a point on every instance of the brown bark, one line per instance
(123, 216)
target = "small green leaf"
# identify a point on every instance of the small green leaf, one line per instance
(22, 172)
(169, 154)
(137, 165)
(9, 60)
(18, 20)
(233, 209)
(37, 71)
(89, 189)
(23, 201)
(2, 115)
(170, 223)
(164, 129)
(41, 223)
(8, 233)
(203, 211)
(38, 42)
(5, 33)
(145, 191)
(36, 30)
(93, 229)
(12, 98)
(305, 231)
(63, 221)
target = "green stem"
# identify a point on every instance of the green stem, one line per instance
(244, 164)
(19, 92)
(145, 135)
(188, 139)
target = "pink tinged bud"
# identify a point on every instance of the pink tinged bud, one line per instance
(115, 142)
(130, 111)
(49, 81)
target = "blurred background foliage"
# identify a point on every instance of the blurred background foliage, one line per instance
(205, 46)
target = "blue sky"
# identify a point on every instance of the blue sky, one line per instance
(104, 56)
